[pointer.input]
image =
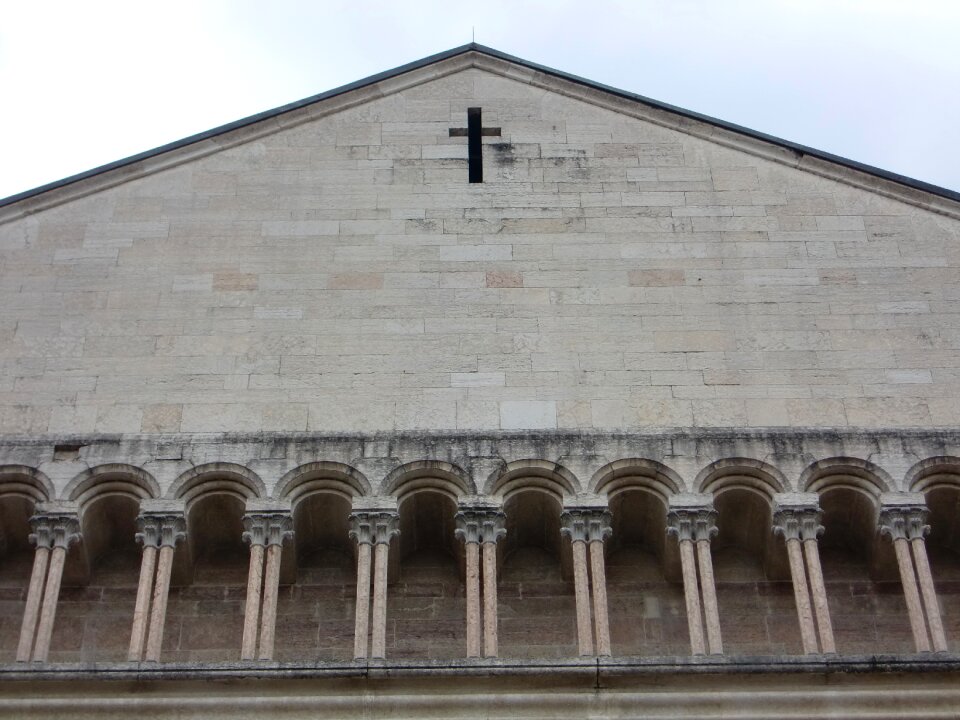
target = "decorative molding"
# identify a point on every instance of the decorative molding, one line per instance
(480, 525)
(798, 523)
(161, 529)
(267, 528)
(54, 530)
(374, 527)
(908, 522)
(586, 524)
(692, 523)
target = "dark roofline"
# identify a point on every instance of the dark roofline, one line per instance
(250, 120)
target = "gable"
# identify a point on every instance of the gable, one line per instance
(331, 268)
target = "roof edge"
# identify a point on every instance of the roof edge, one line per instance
(800, 150)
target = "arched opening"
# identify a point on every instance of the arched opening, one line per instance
(315, 616)
(205, 618)
(94, 619)
(647, 611)
(943, 549)
(16, 562)
(537, 608)
(755, 597)
(867, 608)
(426, 606)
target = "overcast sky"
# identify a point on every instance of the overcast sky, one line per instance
(86, 83)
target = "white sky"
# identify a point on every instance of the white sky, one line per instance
(86, 83)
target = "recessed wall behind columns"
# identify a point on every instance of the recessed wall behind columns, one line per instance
(611, 272)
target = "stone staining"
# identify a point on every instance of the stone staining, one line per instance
(475, 132)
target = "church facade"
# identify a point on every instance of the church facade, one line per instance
(478, 389)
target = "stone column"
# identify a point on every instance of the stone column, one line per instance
(169, 529)
(58, 533)
(895, 524)
(38, 577)
(598, 530)
(148, 535)
(376, 528)
(705, 528)
(786, 522)
(476, 527)
(574, 526)
(810, 530)
(694, 527)
(266, 533)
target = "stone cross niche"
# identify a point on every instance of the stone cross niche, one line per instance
(474, 131)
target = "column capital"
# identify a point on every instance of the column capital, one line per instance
(907, 522)
(586, 524)
(161, 529)
(480, 524)
(267, 528)
(52, 530)
(692, 523)
(374, 527)
(798, 523)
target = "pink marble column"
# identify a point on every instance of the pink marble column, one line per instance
(171, 529)
(916, 529)
(31, 613)
(63, 531)
(491, 530)
(141, 609)
(468, 531)
(894, 524)
(574, 526)
(279, 530)
(786, 522)
(810, 530)
(692, 525)
(705, 529)
(362, 534)
(265, 531)
(251, 611)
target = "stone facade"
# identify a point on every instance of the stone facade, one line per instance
(660, 417)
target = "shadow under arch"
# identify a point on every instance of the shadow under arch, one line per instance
(934, 473)
(322, 476)
(25, 482)
(636, 474)
(111, 479)
(217, 477)
(543, 475)
(846, 472)
(739, 472)
(434, 475)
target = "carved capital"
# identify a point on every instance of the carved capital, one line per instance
(480, 525)
(54, 530)
(267, 528)
(798, 523)
(374, 527)
(160, 529)
(586, 524)
(907, 522)
(692, 523)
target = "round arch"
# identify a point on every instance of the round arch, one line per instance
(741, 473)
(26, 482)
(543, 475)
(322, 476)
(111, 479)
(846, 472)
(636, 474)
(436, 475)
(933, 473)
(217, 477)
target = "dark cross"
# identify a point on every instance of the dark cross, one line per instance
(474, 131)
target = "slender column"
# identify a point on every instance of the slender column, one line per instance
(377, 528)
(893, 524)
(491, 530)
(468, 530)
(65, 530)
(680, 525)
(170, 529)
(279, 529)
(786, 522)
(917, 529)
(601, 618)
(704, 529)
(574, 526)
(361, 532)
(141, 610)
(28, 628)
(810, 530)
(251, 613)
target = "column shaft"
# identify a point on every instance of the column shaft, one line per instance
(378, 643)
(362, 616)
(708, 588)
(902, 547)
(271, 589)
(691, 594)
(601, 618)
(929, 594)
(808, 634)
(158, 611)
(818, 590)
(48, 613)
(141, 610)
(473, 599)
(251, 613)
(582, 592)
(28, 628)
(490, 619)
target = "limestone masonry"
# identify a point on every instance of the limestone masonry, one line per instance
(300, 418)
